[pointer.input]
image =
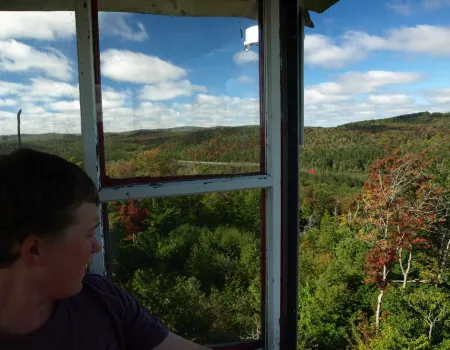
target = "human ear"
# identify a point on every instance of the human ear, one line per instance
(31, 251)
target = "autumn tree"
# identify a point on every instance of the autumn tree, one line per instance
(400, 206)
(132, 217)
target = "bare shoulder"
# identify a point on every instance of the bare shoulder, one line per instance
(174, 342)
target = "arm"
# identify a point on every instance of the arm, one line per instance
(174, 342)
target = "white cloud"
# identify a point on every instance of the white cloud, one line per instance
(117, 24)
(65, 106)
(115, 99)
(56, 25)
(53, 106)
(37, 25)
(356, 96)
(431, 5)
(58, 110)
(41, 87)
(390, 99)
(111, 99)
(351, 83)
(210, 110)
(19, 57)
(164, 80)
(5, 117)
(425, 39)
(135, 67)
(7, 102)
(320, 93)
(37, 91)
(9, 88)
(169, 90)
(416, 7)
(353, 110)
(244, 57)
(321, 51)
(358, 82)
(145, 116)
(439, 96)
(354, 46)
(340, 103)
(42, 108)
(245, 79)
(37, 119)
(204, 111)
(402, 8)
(50, 106)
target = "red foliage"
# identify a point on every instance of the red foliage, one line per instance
(132, 218)
(311, 171)
(399, 207)
(378, 258)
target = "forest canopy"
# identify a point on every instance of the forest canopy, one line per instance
(374, 241)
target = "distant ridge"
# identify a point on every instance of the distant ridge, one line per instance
(406, 118)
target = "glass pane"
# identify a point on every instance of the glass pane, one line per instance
(193, 261)
(180, 96)
(39, 83)
(375, 241)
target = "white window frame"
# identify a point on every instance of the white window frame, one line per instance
(272, 120)
(271, 181)
(88, 111)
(182, 188)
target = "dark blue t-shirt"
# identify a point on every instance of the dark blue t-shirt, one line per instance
(101, 317)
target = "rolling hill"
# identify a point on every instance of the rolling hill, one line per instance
(346, 149)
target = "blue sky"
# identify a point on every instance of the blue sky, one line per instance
(364, 60)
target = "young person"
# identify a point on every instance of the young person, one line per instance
(48, 215)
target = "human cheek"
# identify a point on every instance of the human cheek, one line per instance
(95, 246)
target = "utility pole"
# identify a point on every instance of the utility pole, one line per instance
(19, 138)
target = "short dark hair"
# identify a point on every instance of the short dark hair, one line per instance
(38, 194)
